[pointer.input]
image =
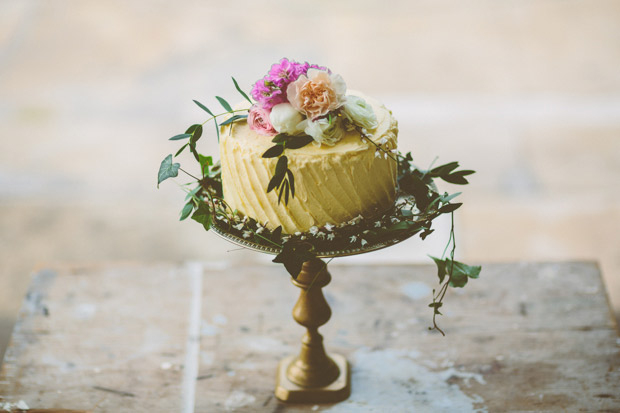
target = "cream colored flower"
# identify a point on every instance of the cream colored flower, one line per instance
(286, 119)
(317, 94)
(359, 112)
(325, 131)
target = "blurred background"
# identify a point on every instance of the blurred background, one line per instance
(527, 92)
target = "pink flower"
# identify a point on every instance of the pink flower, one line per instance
(317, 94)
(258, 120)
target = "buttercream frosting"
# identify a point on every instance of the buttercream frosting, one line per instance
(333, 184)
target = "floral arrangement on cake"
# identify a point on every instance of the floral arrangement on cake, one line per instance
(298, 104)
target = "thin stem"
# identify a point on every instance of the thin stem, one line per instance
(221, 114)
(183, 170)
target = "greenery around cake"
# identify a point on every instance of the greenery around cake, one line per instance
(418, 202)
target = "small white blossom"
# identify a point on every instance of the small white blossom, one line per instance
(378, 224)
(353, 238)
(247, 234)
(320, 234)
(239, 226)
(385, 155)
(364, 242)
(395, 220)
(245, 218)
(383, 140)
(260, 229)
(303, 237)
(330, 237)
(313, 230)
(377, 154)
(297, 233)
(329, 226)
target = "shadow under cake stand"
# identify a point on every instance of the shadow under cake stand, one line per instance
(313, 376)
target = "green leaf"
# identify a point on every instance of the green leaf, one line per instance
(203, 107)
(205, 162)
(217, 129)
(181, 136)
(426, 233)
(203, 215)
(277, 233)
(291, 180)
(181, 150)
(283, 190)
(441, 268)
(274, 151)
(224, 104)
(167, 169)
(241, 91)
(193, 192)
(293, 256)
(457, 177)
(274, 182)
(296, 142)
(281, 166)
(280, 138)
(187, 209)
(444, 169)
(192, 128)
(196, 133)
(472, 271)
(450, 207)
(233, 119)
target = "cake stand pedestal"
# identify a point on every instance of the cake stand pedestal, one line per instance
(313, 376)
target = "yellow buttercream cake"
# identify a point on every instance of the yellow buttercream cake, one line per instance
(333, 184)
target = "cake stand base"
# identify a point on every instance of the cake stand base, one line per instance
(337, 391)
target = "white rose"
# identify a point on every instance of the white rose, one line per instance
(324, 131)
(359, 112)
(286, 119)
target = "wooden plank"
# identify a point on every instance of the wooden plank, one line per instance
(524, 337)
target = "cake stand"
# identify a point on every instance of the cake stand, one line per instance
(313, 376)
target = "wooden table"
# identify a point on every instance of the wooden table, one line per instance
(207, 338)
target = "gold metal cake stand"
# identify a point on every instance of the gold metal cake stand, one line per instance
(313, 376)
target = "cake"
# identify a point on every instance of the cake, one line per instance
(336, 179)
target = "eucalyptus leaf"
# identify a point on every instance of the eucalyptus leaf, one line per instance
(291, 180)
(217, 129)
(296, 142)
(181, 136)
(274, 151)
(233, 119)
(191, 129)
(444, 169)
(281, 166)
(181, 150)
(274, 182)
(241, 91)
(450, 207)
(203, 107)
(187, 209)
(280, 138)
(224, 104)
(167, 169)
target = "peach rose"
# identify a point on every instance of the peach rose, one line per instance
(317, 94)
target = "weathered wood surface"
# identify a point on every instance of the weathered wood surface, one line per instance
(140, 338)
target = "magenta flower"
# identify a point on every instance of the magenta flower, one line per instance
(271, 90)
